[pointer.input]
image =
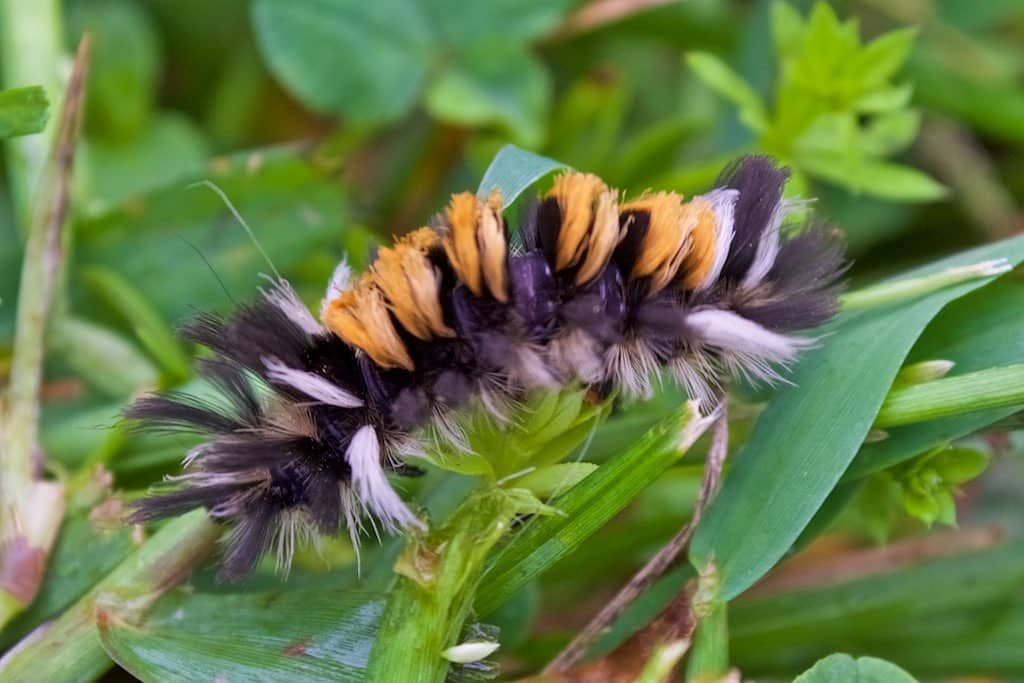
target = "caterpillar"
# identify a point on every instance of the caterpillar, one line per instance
(312, 415)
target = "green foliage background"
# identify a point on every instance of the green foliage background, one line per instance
(334, 124)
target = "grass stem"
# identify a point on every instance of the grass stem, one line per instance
(32, 508)
(990, 388)
(68, 648)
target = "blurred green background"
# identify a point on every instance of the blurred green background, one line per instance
(334, 125)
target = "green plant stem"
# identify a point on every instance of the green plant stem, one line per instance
(991, 388)
(897, 290)
(69, 648)
(438, 576)
(32, 508)
(589, 505)
(32, 46)
(709, 657)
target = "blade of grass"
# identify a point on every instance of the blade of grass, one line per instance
(992, 388)
(32, 508)
(810, 432)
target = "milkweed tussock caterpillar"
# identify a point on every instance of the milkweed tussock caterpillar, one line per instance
(592, 289)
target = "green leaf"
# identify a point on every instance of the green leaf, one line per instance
(370, 61)
(494, 84)
(880, 179)
(890, 132)
(513, 170)
(880, 100)
(459, 23)
(827, 50)
(23, 111)
(880, 59)
(169, 148)
(587, 507)
(291, 634)
(104, 359)
(717, 75)
(365, 60)
(151, 329)
(806, 438)
(840, 668)
(924, 506)
(85, 552)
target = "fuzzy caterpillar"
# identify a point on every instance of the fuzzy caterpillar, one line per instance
(315, 413)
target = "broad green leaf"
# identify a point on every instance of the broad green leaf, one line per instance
(979, 331)
(494, 84)
(169, 148)
(366, 60)
(808, 435)
(840, 668)
(717, 75)
(23, 111)
(513, 170)
(291, 634)
(370, 61)
(587, 507)
(460, 23)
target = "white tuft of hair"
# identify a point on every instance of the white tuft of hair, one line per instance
(768, 245)
(633, 365)
(283, 295)
(371, 484)
(340, 281)
(723, 203)
(746, 348)
(311, 384)
(577, 354)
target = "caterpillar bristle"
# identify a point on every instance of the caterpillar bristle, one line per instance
(313, 415)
